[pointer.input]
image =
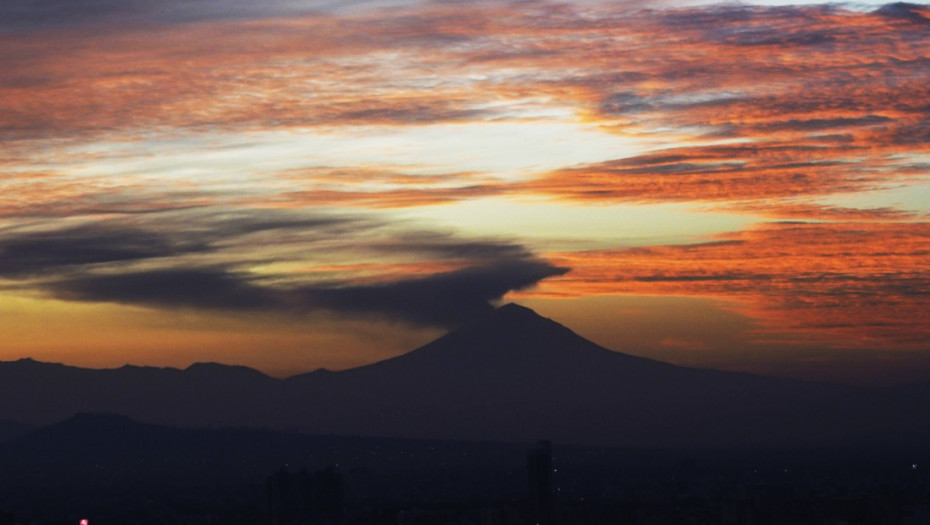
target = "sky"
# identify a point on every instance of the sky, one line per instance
(298, 184)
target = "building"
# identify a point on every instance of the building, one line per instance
(301, 498)
(539, 479)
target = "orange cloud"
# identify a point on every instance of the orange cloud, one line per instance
(820, 212)
(861, 285)
(764, 70)
(810, 101)
(712, 173)
(248, 74)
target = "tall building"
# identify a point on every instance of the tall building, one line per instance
(301, 498)
(539, 478)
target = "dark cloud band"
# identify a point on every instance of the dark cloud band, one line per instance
(159, 266)
(443, 299)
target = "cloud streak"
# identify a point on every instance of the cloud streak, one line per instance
(54, 251)
(756, 102)
(243, 157)
(854, 285)
(158, 266)
(443, 299)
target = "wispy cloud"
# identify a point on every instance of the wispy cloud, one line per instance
(441, 299)
(859, 285)
(42, 252)
(121, 182)
(259, 261)
(769, 101)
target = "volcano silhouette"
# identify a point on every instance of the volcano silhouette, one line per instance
(515, 375)
(509, 375)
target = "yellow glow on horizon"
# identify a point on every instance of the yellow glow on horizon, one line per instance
(101, 335)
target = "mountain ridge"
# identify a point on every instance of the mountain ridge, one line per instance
(523, 334)
(510, 310)
(510, 375)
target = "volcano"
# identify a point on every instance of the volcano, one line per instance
(509, 375)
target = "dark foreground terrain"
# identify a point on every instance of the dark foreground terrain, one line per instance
(636, 441)
(111, 470)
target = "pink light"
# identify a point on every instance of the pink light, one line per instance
(84, 522)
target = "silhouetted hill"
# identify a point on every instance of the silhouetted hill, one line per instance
(513, 375)
(12, 430)
(202, 394)
(113, 453)
(510, 375)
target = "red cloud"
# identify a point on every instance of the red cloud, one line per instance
(864, 285)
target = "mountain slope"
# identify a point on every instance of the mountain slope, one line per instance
(515, 375)
(203, 394)
(510, 375)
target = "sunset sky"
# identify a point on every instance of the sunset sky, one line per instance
(298, 184)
